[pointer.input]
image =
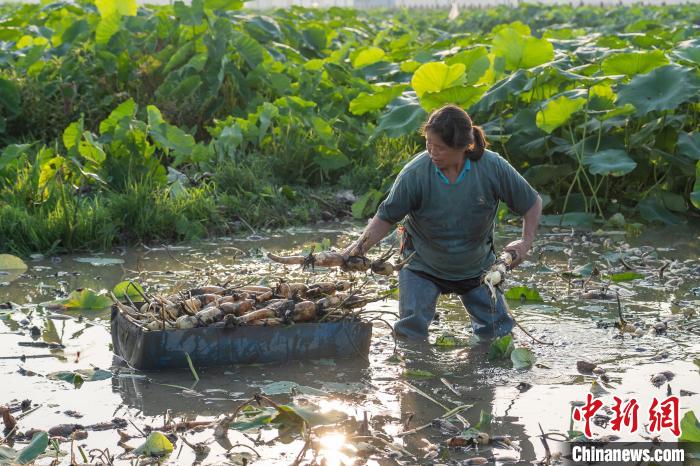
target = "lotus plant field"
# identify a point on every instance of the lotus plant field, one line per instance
(121, 123)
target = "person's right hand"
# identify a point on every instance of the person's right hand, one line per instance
(350, 251)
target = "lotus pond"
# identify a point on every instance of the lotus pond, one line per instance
(403, 404)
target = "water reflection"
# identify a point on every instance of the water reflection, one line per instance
(220, 390)
(331, 450)
(464, 377)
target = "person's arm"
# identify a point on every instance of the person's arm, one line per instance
(531, 220)
(374, 232)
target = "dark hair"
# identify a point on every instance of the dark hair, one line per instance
(455, 128)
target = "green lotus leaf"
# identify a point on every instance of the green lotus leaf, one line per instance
(322, 129)
(168, 136)
(690, 428)
(437, 76)
(476, 62)
(107, 27)
(72, 134)
(38, 445)
(223, 4)
(672, 201)
(615, 162)
(522, 358)
(564, 33)
(464, 96)
(263, 28)
(500, 348)
(250, 49)
(544, 174)
(401, 120)
(369, 56)
(123, 7)
(557, 112)
(653, 210)
(663, 88)
(521, 51)
(518, 26)
(128, 288)
(124, 110)
(366, 102)
(688, 50)
(502, 91)
(330, 159)
(87, 299)
(156, 444)
(12, 153)
(625, 276)
(190, 15)
(315, 37)
(409, 66)
(689, 145)
(524, 293)
(633, 63)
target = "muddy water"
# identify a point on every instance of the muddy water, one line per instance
(343, 392)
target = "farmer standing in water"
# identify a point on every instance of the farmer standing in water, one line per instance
(447, 197)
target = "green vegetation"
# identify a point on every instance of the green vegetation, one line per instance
(121, 124)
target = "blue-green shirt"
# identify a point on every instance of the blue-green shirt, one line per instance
(451, 224)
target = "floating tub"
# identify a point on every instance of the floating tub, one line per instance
(221, 346)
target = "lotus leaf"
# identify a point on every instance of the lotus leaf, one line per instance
(521, 51)
(663, 88)
(557, 112)
(633, 63)
(436, 77)
(615, 162)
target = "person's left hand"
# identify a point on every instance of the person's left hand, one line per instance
(520, 247)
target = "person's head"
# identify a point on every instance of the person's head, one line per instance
(449, 132)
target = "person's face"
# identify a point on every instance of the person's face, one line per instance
(441, 154)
